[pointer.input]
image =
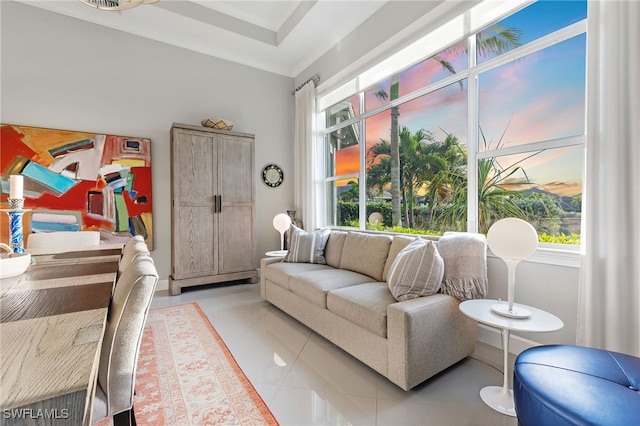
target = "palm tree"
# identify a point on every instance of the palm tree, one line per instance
(423, 164)
(496, 39)
(413, 168)
(378, 167)
(497, 193)
(499, 189)
(394, 151)
(440, 167)
(351, 194)
(450, 175)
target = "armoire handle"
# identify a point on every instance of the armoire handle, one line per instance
(217, 203)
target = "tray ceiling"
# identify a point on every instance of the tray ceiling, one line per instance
(283, 37)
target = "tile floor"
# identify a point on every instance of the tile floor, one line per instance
(306, 380)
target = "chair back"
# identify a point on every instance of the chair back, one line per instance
(123, 334)
(133, 248)
(63, 239)
(131, 241)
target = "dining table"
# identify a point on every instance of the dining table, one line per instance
(52, 322)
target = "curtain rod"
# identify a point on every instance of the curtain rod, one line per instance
(315, 79)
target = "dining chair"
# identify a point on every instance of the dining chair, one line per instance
(63, 239)
(133, 248)
(121, 344)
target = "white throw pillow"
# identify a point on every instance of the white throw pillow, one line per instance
(307, 247)
(416, 271)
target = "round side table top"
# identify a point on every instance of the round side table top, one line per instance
(539, 320)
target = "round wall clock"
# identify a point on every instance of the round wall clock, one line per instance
(272, 175)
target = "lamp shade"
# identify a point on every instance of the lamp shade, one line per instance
(512, 240)
(282, 222)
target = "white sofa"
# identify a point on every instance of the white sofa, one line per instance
(349, 302)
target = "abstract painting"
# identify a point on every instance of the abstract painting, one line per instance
(79, 181)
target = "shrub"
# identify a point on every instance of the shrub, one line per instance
(559, 239)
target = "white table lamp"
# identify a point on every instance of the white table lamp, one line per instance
(512, 240)
(282, 222)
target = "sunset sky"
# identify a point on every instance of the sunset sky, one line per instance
(537, 98)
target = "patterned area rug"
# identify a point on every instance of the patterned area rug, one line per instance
(187, 376)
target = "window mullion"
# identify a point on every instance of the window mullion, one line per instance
(362, 181)
(343, 177)
(318, 180)
(533, 146)
(472, 138)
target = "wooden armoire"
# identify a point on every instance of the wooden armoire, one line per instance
(212, 207)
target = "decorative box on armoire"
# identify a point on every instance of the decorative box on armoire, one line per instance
(212, 207)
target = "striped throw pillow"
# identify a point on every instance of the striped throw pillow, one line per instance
(416, 271)
(307, 247)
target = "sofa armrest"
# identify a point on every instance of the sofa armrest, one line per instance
(426, 335)
(264, 262)
(269, 260)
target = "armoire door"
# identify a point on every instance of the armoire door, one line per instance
(194, 247)
(236, 233)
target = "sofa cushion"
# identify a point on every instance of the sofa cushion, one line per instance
(365, 253)
(281, 272)
(399, 242)
(364, 305)
(333, 249)
(314, 285)
(417, 271)
(307, 247)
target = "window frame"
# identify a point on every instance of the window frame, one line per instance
(558, 254)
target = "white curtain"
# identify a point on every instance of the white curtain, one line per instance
(305, 161)
(609, 304)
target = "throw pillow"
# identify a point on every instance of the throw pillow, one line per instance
(416, 271)
(307, 247)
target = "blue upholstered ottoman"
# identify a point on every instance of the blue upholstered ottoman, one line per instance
(572, 385)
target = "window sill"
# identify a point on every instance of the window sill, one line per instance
(568, 257)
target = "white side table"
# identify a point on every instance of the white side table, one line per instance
(276, 253)
(496, 397)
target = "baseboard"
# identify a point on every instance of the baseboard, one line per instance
(162, 285)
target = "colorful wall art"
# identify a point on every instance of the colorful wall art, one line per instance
(77, 181)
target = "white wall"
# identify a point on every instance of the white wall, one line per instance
(64, 73)
(553, 288)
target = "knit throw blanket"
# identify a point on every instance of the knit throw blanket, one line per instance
(465, 265)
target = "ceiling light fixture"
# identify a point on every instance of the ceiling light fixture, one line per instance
(116, 4)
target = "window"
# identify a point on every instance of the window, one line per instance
(502, 108)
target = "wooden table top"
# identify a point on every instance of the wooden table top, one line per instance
(52, 321)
